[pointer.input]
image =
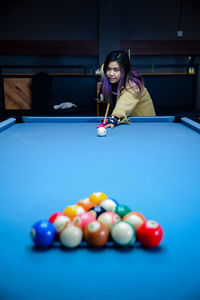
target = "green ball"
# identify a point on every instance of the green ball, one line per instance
(122, 210)
(123, 234)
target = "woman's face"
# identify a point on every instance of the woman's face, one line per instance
(113, 72)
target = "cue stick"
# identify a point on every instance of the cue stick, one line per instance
(106, 114)
(129, 53)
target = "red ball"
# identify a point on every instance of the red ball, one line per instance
(150, 234)
(55, 215)
(59, 219)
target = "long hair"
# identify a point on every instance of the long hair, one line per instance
(128, 74)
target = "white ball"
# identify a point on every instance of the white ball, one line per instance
(71, 236)
(108, 204)
(101, 131)
(60, 222)
(123, 234)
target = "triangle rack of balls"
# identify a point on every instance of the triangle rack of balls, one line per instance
(97, 220)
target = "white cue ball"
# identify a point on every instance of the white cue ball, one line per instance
(101, 131)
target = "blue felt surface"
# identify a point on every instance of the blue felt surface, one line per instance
(152, 167)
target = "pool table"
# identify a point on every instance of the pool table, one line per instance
(151, 165)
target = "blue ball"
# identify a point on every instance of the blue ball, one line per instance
(114, 201)
(43, 233)
(97, 210)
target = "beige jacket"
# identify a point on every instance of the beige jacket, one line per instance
(132, 102)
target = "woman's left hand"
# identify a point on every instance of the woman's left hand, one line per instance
(109, 126)
(112, 122)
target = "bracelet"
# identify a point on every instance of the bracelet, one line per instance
(114, 120)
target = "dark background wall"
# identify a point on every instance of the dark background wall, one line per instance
(49, 20)
(160, 20)
(79, 20)
(74, 37)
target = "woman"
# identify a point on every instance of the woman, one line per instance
(123, 87)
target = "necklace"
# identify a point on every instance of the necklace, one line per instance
(114, 93)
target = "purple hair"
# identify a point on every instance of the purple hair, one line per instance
(128, 74)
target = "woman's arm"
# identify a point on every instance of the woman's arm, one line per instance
(125, 105)
(123, 108)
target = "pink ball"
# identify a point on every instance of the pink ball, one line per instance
(84, 219)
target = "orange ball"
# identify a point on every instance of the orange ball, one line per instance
(85, 203)
(96, 198)
(135, 219)
(73, 210)
(96, 234)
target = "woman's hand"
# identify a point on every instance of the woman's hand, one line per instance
(109, 126)
(112, 122)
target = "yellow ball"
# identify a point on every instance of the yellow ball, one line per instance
(73, 210)
(96, 198)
